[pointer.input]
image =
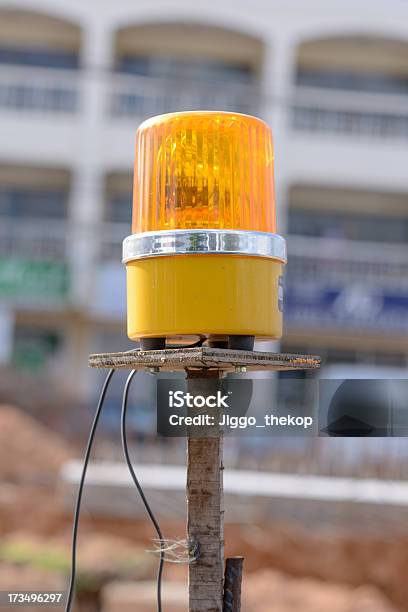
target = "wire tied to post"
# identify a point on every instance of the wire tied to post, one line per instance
(181, 551)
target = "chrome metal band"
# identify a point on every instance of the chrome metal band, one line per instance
(201, 241)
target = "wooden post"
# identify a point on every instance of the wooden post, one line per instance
(205, 524)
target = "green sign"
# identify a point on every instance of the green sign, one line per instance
(39, 280)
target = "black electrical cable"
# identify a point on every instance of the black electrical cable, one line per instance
(71, 588)
(139, 488)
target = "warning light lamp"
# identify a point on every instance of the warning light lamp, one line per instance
(204, 258)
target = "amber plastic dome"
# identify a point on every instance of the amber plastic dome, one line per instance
(204, 170)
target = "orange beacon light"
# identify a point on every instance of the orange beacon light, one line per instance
(204, 258)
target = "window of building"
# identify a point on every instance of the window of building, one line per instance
(351, 81)
(45, 58)
(191, 69)
(118, 198)
(34, 346)
(347, 226)
(355, 62)
(20, 203)
(119, 208)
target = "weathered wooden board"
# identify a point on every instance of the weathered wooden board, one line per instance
(204, 357)
(205, 505)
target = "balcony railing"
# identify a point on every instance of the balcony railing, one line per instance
(38, 89)
(45, 90)
(42, 239)
(138, 96)
(334, 262)
(350, 112)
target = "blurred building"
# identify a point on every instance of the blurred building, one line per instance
(76, 79)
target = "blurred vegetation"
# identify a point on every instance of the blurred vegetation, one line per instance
(54, 557)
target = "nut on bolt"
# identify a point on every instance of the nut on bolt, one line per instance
(154, 370)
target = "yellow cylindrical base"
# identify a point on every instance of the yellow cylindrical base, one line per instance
(186, 295)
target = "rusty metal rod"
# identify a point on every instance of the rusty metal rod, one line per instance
(232, 584)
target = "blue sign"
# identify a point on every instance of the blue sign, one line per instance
(355, 306)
